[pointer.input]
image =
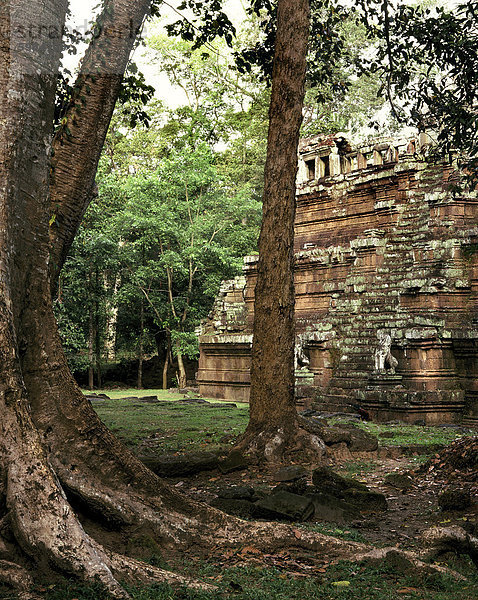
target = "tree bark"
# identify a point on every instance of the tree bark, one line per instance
(43, 524)
(273, 427)
(165, 370)
(167, 358)
(97, 329)
(78, 144)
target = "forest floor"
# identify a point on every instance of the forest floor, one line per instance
(180, 426)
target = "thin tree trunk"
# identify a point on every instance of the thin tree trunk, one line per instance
(111, 311)
(165, 371)
(97, 332)
(91, 341)
(182, 381)
(273, 417)
(140, 344)
(167, 360)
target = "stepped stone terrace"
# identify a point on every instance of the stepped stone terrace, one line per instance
(386, 277)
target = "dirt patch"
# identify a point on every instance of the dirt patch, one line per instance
(410, 511)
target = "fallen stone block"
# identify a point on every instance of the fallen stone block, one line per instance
(332, 509)
(366, 500)
(284, 505)
(357, 439)
(235, 506)
(325, 480)
(235, 461)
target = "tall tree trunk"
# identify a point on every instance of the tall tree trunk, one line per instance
(39, 516)
(77, 145)
(140, 345)
(91, 338)
(167, 359)
(273, 427)
(165, 371)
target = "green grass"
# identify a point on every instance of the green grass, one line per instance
(169, 425)
(356, 468)
(344, 581)
(165, 395)
(408, 435)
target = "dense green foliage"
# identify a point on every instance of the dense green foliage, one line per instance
(178, 208)
(427, 58)
(179, 203)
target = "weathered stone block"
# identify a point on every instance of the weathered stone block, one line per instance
(285, 505)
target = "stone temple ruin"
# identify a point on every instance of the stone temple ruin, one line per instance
(386, 275)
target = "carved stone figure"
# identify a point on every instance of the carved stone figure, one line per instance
(302, 361)
(384, 361)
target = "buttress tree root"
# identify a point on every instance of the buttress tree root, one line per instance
(296, 439)
(37, 520)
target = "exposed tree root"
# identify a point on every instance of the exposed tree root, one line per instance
(271, 537)
(68, 549)
(451, 539)
(201, 527)
(43, 523)
(39, 521)
(298, 440)
(47, 530)
(123, 569)
(14, 576)
(129, 570)
(405, 561)
(136, 501)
